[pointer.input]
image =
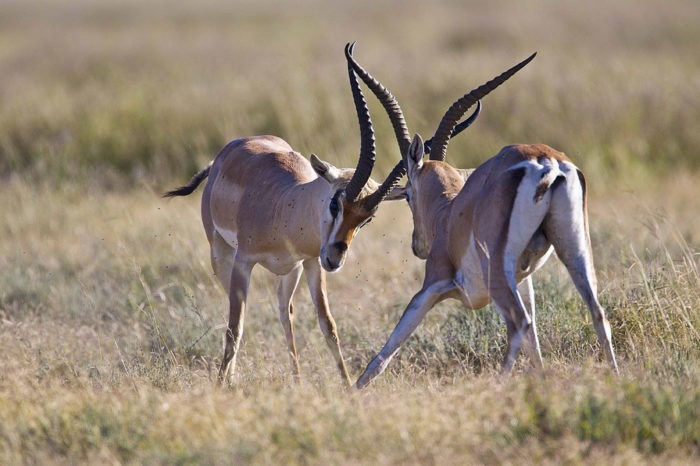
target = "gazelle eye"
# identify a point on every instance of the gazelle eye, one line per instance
(366, 222)
(334, 206)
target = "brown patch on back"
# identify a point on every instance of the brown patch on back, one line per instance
(535, 152)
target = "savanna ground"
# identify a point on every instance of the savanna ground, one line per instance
(111, 320)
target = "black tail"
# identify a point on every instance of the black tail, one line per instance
(191, 186)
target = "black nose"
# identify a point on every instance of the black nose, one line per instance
(341, 246)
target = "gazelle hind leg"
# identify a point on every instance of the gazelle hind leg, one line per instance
(222, 255)
(509, 301)
(517, 321)
(285, 291)
(238, 291)
(516, 309)
(566, 227)
(521, 223)
(580, 269)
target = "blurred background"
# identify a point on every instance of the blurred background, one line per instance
(114, 93)
(111, 320)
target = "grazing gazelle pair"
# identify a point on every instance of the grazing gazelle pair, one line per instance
(483, 232)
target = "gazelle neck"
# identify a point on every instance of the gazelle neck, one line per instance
(300, 213)
(440, 183)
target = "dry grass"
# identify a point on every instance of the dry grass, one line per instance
(111, 335)
(111, 320)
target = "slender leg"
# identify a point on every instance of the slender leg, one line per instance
(532, 342)
(511, 307)
(316, 281)
(508, 301)
(583, 276)
(518, 217)
(285, 291)
(567, 229)
(240, 279)
(419, 306)
(513, 345)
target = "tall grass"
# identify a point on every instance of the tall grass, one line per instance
(110, 317)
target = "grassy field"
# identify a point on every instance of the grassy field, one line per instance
(111, 320)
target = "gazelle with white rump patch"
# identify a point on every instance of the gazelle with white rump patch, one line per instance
(484, 234)
(266, 204)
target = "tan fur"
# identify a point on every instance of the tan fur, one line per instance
(266, 204)
(486, 236)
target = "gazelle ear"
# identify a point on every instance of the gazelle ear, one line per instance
(397, 193)
(325, 170)
(414, 157)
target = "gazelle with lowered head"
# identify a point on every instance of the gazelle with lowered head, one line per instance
(483, 235)
(266, 204)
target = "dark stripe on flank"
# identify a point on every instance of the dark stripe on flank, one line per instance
(515, 178)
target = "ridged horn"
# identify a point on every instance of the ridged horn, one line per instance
(461, 105)
(392, 180)
(367, 146)
(386, 98)
(392, 108)
(459, 128)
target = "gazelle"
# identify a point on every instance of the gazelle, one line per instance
(266, 204)
(484, 232)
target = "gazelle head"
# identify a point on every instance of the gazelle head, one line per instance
(428, 183)
(341, 215)
(434, 178)
(421, 239)
(423, 232)
(354, 197)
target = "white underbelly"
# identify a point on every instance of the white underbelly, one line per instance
(279, 264)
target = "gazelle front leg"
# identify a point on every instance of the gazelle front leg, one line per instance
(238, 292)
(285, 291)
(419, 306)
(316, 281)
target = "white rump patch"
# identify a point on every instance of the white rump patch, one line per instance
(529, 210)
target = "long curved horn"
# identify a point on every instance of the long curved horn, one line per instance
(387, 99)
(459, 128)
(391, 180)
(399, 169)
(461, 105)
(393, 110)
(367, 146)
